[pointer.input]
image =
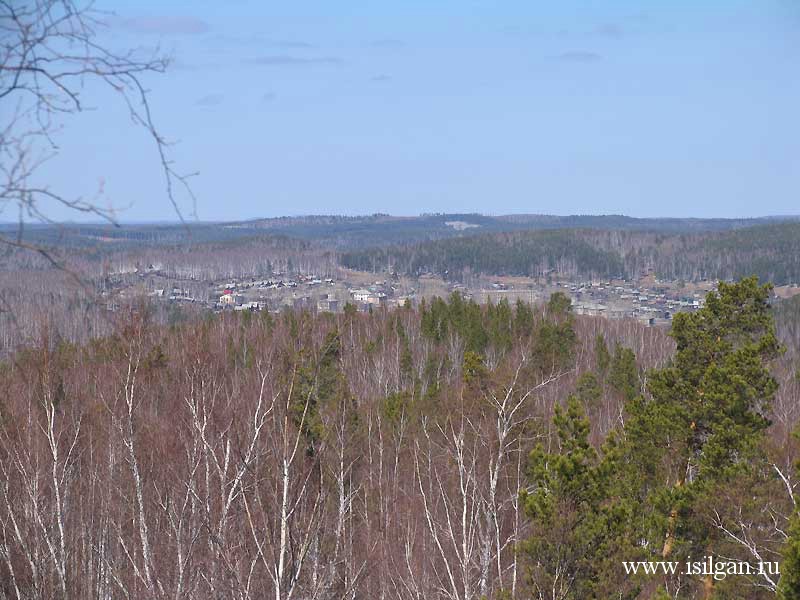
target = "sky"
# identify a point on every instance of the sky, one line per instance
(682, 108)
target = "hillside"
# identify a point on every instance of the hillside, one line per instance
(359, 232)
(770, 251)
(384, 230)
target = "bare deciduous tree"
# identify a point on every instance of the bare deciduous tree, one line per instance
(51, 53)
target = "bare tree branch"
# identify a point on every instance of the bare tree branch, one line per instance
(49, 51)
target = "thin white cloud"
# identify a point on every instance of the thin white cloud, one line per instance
(297, 44)
(609, 30)
(210, 100)
(388, 43)
(165, 25)
(261, 40)
(579, 56)
(293, 61)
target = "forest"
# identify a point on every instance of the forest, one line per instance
(770, 251)
(352, 232)
(448, 451)
(195, 410)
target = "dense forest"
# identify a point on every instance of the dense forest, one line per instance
(382, 230)
(351, 233)
(449, 451)
(770, 251)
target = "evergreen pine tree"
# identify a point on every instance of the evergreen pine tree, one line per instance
(579, 533)
(601, 353)
(789, 587)
(704, 418)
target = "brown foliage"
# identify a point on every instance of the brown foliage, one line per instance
(227, 458)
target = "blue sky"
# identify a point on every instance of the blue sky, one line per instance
(307, 107)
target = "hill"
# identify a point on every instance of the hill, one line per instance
(337, 232)
(770, 251)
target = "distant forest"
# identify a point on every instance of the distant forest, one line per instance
(345, 233)
(770, 251)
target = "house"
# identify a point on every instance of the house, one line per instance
(360, 295)
(251, 306)
(589, 308)
(328, 305)
(231, 299)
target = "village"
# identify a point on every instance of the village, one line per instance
(649, 300)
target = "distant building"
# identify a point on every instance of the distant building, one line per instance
(360, 295)
(589, 308)
(231, 299)
(328, 305)
(251, 306)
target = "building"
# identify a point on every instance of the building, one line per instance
(360, 295)
(251, 306)
(589, 308)
(231, 299)
(328, 305)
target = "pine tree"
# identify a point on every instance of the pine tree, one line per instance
(588, 391)
(473, 368)
(500, 325)
(318, 384)
(555, 339)
(624, 374)
(601, 353)
(789, 586)
(579, 532)
(523, 319)
(704, 418)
